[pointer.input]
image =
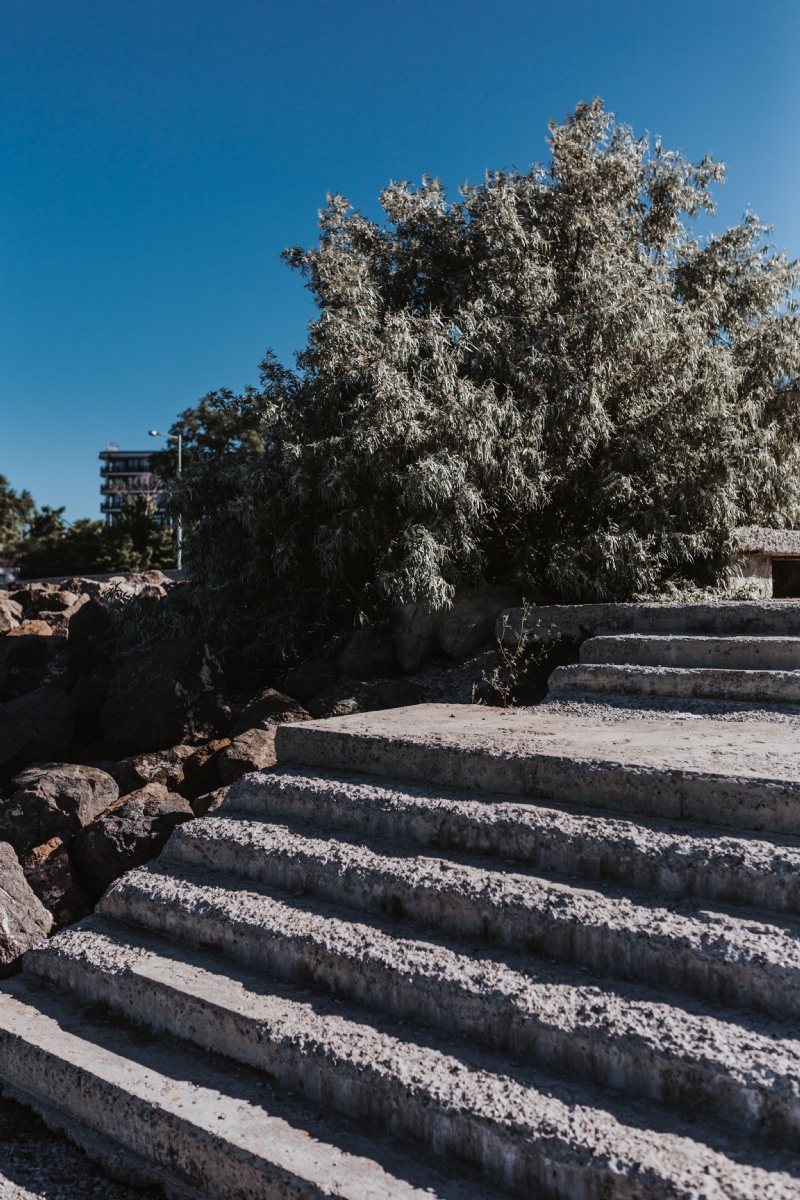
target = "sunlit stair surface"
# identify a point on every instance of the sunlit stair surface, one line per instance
(357, 980)
(757, 670)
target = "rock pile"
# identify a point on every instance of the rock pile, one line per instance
(104, 748)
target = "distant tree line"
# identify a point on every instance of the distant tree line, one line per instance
(42, 543)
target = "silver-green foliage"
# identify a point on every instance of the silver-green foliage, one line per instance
(551, 380)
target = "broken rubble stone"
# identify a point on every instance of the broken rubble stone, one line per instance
(21, 648)
(53, 800)
(24, 920)
(50, 874)
(90, 623)
(201, 769)
(55, 601)
(340, 699)
(37, 727)
(171, 694)
(210, 802)
(6, 680)
(160, 766)
(304, 682)
(367, 655)
(269, 708)
(348, 696)
(250, 751)
(135, 830)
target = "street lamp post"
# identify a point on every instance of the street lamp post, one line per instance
(175, 437)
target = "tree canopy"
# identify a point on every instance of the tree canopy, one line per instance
(551, 380)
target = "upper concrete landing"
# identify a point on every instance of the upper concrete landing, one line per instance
(743, 774)
(723, 618)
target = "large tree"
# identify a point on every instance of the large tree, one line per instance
(551, 380)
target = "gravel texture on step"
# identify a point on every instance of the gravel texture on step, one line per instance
(37, 1163)
(657, 1049)
(192, 1118)
(693, 683)
(649, 855)
(737, 960)
(515, 1133)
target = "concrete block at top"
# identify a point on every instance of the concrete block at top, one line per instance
(679, 683)
(702, 770)
(694, 650)
(723, 618)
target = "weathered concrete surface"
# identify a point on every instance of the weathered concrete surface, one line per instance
(694, 650)
(186, 1122)
(495, 996)
(771, 618)
(686, 683)
(733, 959)
(645, 1045)
(672, 858)
(703, 770)
(518, 1134)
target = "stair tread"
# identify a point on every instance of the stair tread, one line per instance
(212, 1125)
(370, 1071)
(541, 1013)
(614, 932)
(743, 868)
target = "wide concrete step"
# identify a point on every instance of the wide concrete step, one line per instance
(624, 1036)
(703, 770)
(719, 618)
(683, 683)
(520, 1133)
(673, 858)
(156, 1110)
(737, 960)
(694, 650)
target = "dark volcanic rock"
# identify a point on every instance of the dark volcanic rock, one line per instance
(270, 708)
(132, 833)
(307, 681)
(201, 770)
(250, 751)
(35, 727)
(160, 766)
(49, 872)
(90, 624)
(24, 920)
(367, 655)
(174, 693)
(53, 800)
(339, 699)
(469, 624)
(26, 646)
(210, 802)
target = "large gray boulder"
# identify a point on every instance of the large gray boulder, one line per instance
(54, 800)
(304, 682)
(35, 727)
(24, 920)
(469, 624)
(367, 654)
(128, 836)
(173, 693)
(413, 635)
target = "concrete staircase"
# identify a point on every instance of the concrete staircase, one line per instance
(452, 952)
(760, 667)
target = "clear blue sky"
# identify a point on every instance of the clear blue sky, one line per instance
(157, 155)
